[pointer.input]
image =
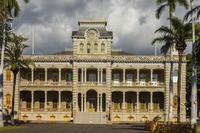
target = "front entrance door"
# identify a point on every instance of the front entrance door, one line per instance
(91, 104)
(91, 101)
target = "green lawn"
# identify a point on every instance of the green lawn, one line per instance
(11, 128)
(198, 129)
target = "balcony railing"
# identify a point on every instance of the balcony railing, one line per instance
(141, 83)
(91, 83)
(43, 83)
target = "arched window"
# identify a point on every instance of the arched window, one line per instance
(95, 47)
(88, 48)
(102, 47)
(8, 75)
(81, 48)
(8, 100)
(175, 77)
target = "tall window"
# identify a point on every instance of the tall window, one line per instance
(129, 77)
(175, 77)
(8, 100)
(92, 77)
(102, 47)
(88, 48)
(116, 77)
(68, 77)
(155, 77)
(81, 48)
(142, 77)
(95, 47)
(8, 75)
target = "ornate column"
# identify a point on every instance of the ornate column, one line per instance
(151, 75)
(46, 70)
(81, 75)
(45, 100)
(138, 75)
(59, 100)
(151, 100)
(101, 101)
(32, 75)
(97, 102)
(101, 75)
(124, 104)
(59, 75)
(32, 100)
(82, 102)
(85, 75)
(85, 107)
(98, 75)
(124, 75)
(138, 103)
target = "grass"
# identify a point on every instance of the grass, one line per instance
(198, 129)
(11, 128)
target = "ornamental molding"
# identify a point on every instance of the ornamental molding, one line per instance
(103, 58)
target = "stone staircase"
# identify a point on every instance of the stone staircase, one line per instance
(90, 118)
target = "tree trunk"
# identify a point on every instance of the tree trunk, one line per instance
(180, 55)
(13, 98)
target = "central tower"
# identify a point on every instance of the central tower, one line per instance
(92, 39)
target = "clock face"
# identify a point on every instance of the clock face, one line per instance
(92, 34)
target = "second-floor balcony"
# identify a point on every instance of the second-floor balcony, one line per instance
(138, 77)
(46, 77)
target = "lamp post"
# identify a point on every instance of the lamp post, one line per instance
(194, 72)
(7, 25)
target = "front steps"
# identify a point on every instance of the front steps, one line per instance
(90, 118)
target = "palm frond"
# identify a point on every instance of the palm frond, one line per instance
(189, 13)
(160, 10)
(184, 3)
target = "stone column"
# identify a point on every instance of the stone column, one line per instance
(32, 100)
(98, 75)
(45, 100)
(46, 70)
(138, 102)
(101, 75)
(85, 107)
(82, 102)
(59, 75)
(138, 75)
(32, 75)
(59, 100)
(151, 100)
(151, 75)
(124, 76)
(81, 75)
(97, 102)
(101, 101)
(85, 75)
(124, 102)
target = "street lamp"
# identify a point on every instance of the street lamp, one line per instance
(7, 26)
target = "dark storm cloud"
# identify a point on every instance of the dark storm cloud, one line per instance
(132, 21)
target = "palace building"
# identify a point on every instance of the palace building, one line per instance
(93, 83)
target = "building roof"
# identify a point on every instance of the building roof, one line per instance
(114, 52)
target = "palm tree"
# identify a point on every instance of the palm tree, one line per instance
(171, 4)
(177, 34)
(9, 8)
(13, 58)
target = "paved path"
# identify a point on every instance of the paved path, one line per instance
(72, 128)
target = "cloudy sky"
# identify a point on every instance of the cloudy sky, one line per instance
(133, 22)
